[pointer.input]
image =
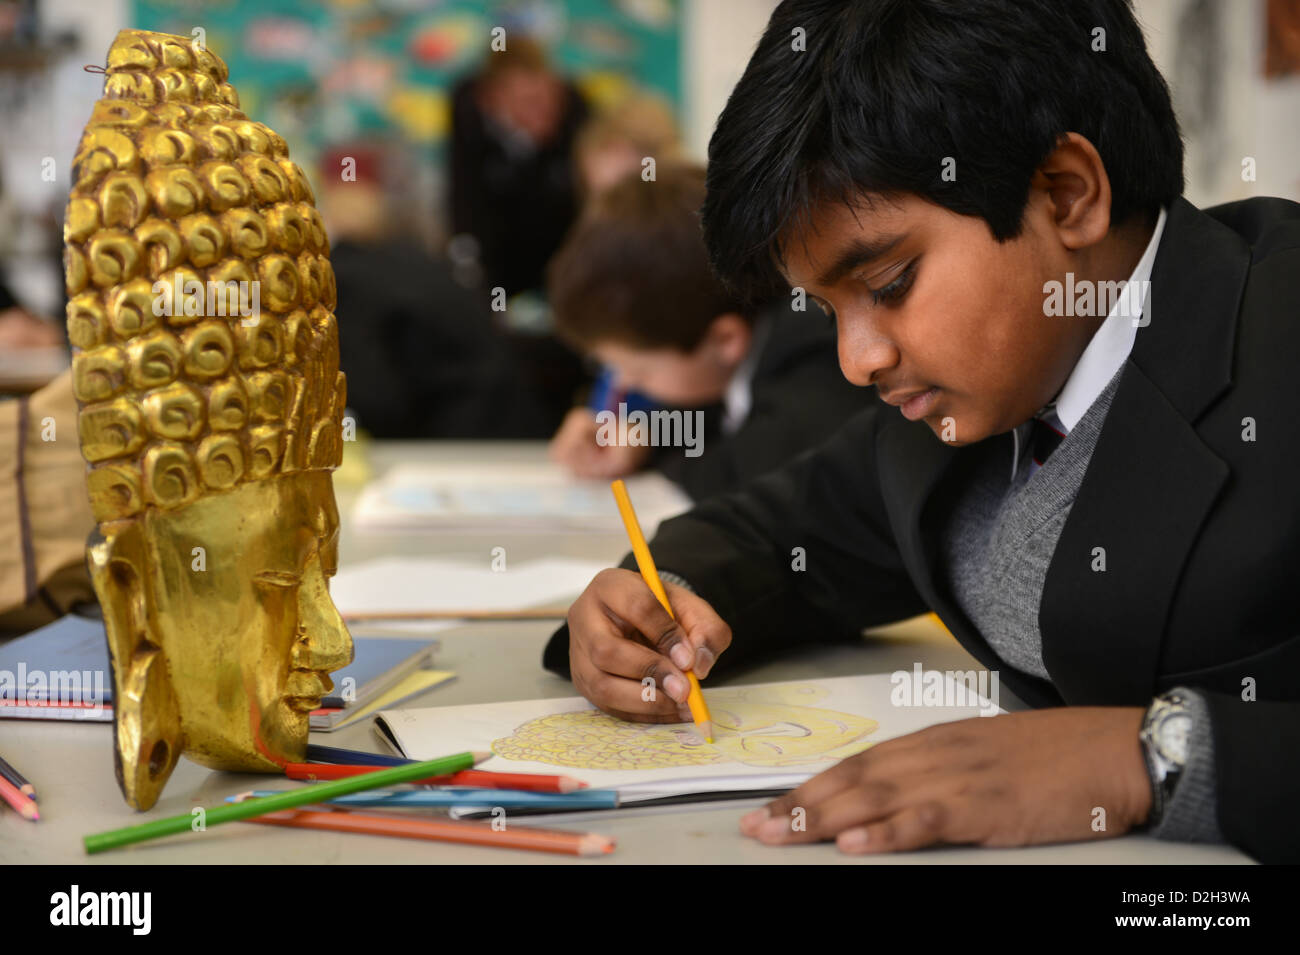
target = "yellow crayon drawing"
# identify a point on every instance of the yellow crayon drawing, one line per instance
(756, 726)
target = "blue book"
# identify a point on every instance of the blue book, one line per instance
(61, 671)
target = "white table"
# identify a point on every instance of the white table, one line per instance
(72, 764)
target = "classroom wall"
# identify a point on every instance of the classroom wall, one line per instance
(718, 37)
(1212, 54)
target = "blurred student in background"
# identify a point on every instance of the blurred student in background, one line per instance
(632, 287)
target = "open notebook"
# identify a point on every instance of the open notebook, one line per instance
(767, 736)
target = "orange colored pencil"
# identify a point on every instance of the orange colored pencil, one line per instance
(440, 830)
(530, 782)
(649, 573)
(20, 801)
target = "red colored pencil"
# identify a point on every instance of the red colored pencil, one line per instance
(530, 782)
(443, 830)
(21, 802)
(18, 779)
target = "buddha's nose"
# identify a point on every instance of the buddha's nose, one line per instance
(329, 645)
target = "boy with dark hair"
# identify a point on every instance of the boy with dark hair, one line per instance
(1091, 480)
(632, 286)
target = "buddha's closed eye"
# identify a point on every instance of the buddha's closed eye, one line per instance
(278, 578)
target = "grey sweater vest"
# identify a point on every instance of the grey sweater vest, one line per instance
(998, 543)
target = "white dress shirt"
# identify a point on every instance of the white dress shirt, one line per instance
(1108, 350)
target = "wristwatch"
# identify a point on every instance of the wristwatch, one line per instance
(1164, 736)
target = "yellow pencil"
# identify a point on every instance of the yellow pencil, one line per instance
(695, 699)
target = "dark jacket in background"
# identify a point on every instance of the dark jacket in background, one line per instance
(422, 354)
(518, 207)
(799, 398)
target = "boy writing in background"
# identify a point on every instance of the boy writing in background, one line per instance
(1098, 500)
(632, 286)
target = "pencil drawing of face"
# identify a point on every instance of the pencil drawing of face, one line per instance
(763, 726)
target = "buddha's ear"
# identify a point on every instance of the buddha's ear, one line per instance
(147, 726)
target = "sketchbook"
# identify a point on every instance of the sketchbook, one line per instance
(769, 735)
(535, 497)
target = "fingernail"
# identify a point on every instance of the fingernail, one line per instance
(676, 687)
(773, 828)
(681, 655)
(703, 662)
(750, 821)
(853, 840)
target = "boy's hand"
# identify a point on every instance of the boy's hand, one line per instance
(619, 635)
(574, 447)
(1013, 780)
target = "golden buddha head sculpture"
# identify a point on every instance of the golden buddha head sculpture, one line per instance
(206, 371)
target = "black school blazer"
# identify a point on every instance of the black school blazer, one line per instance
(1201, 528)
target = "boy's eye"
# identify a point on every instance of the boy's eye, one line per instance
(896, 289)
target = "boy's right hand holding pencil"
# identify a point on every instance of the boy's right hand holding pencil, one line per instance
(619, 634)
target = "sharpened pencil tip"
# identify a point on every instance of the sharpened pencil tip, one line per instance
(706, 730)
(480, 755)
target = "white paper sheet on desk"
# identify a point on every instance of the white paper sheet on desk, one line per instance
(417, 584)
(528, 497)
(761, 732)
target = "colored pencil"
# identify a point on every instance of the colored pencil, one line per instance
(694, 699)
(98, 842)
(21, 802)
(532, 782)
(445, 798)
(440, 830)
(18, 779)
(352, 757)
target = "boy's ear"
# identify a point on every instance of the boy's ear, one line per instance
(1074, 180)
(728, 338)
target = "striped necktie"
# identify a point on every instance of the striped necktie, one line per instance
(1044, 438)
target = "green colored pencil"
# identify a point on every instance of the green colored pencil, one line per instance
(231, 812)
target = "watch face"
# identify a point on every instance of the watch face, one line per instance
(1171, 736)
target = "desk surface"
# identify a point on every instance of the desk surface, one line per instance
(72, 764)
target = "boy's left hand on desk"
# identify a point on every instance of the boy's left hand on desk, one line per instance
(1012, 780)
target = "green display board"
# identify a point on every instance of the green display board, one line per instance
(338, 70)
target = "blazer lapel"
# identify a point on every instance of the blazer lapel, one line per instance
(1151, 480)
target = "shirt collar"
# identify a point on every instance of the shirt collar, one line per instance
(739, 396)
(1106, 352)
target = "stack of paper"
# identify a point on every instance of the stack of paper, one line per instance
(538, 498)
(434, 585)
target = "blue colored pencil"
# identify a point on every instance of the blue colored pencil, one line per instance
(453, 796)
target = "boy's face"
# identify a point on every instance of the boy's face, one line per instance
(685, 379)
(956, 316)
(671, 377)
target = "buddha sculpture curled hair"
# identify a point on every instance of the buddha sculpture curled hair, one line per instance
(206, 371)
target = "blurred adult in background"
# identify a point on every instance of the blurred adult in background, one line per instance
(513, 197)
(423, 356)
(513, 126)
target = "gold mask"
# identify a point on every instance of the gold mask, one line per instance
(206, 371)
